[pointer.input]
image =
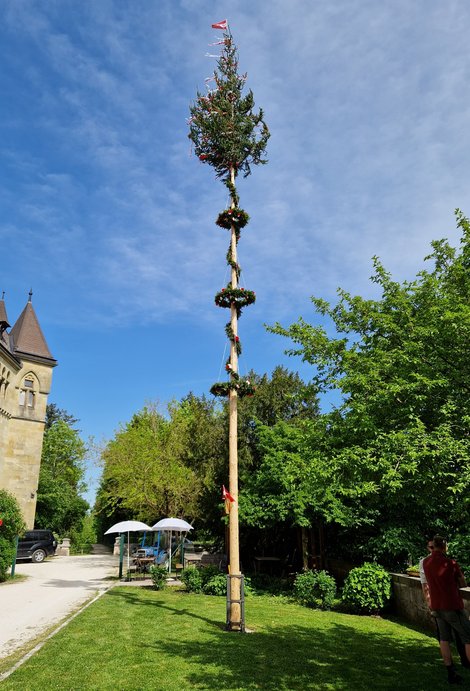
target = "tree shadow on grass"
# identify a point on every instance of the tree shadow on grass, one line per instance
(284, 657)
(290, 657)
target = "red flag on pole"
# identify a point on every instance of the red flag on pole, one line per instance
(226, 496)
(221, 25)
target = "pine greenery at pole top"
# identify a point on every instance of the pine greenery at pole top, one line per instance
(229, 136)
(226, 132)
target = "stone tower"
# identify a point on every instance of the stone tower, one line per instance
(26, 366)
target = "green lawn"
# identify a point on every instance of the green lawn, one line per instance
(140, 639)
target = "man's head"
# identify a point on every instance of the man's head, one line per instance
(439, 543)
(430, 544)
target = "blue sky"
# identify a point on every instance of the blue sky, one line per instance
(110, 220)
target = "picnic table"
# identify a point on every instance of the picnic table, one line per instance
(143, 563)
(140, 566)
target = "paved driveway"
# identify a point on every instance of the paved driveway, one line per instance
(52, 590)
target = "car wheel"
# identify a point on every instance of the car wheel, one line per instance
(38, 556)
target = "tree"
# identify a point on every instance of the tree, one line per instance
(401, 363)
(60, 505)
(11, 526)
(54, 413)
(200, 424)
(144, 471)
(281, 397)
(229, 136)
(298, 484)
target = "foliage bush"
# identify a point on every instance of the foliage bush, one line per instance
(216, 585)
(195, 579)
(192, 579)
(12, 525)
(207, 572)
(208, 580)
(315, 589)
(159, 575)
(367, 588)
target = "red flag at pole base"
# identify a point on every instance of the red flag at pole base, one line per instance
(221, 25)
(226, 496)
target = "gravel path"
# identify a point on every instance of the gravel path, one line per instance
(52, 590)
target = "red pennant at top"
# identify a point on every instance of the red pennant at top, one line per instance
(221, 25)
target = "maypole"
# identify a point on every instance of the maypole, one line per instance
(230, 137)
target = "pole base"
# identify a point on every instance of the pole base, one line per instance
(230, 625)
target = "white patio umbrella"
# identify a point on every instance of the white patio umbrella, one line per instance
(172, 525)
(128, 527)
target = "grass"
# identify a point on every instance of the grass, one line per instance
(7, 662)
(138, 638)
(14, 579)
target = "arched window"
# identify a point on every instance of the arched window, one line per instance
(27, 393)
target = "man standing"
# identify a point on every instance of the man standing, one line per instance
(460, 645)
(444, 578)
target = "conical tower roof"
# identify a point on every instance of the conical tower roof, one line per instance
(27, 337)
(3, 315)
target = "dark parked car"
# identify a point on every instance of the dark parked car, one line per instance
(36, 545)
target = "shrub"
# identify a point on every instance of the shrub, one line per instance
(216, 585)
(367, 588)
(315, 589)
(12, 525)
(159, 575)
(192, 579)
(207, 572)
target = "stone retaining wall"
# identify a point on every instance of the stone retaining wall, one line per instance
(407, 595)
(408, 601)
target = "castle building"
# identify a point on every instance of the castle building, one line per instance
(26, 366)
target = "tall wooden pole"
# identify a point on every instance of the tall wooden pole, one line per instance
(234, 549)
(232, 141)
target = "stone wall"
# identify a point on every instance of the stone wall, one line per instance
(22, 435)
(408, 601)
(407, 595)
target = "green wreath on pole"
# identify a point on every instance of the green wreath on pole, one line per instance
(240, 297)
(243, 387)
(232, 217)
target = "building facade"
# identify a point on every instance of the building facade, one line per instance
(26, 366)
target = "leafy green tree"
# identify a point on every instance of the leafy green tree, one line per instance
(402, 365)
(144, 469)
(81, 540)
(199, 423)
(60, 505)
(54, 413)
(281, 397)
(11, 526)
(299, 483)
